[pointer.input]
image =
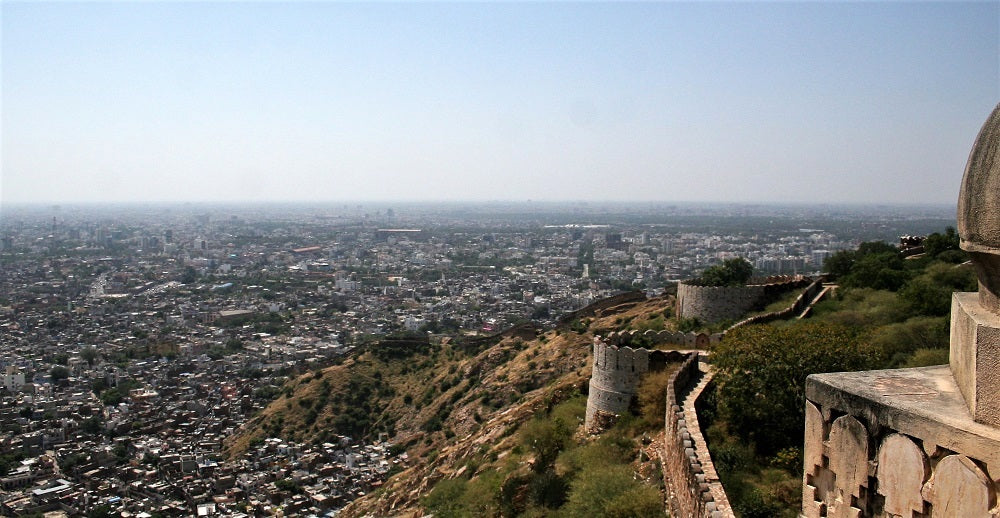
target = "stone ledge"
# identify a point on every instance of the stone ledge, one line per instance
(924, 402)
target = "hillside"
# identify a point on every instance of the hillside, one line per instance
(455, 406)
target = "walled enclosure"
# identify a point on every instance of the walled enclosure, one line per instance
(716, 303)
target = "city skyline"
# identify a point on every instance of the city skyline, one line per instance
(755, 102)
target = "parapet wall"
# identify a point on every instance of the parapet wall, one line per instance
(695, 487)
(690, 340)
(717, 303)
(804, 300)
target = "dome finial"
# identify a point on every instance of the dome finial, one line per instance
(979, 210)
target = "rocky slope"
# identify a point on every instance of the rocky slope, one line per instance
(447, 403)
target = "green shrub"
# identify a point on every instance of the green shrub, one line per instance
(609, 492)
(761, 372)
(445, 500)
(928, 357)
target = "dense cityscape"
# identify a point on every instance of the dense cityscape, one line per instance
(136, 339)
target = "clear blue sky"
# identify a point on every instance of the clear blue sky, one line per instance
(757, 102)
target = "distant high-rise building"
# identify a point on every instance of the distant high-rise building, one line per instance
(613, 240)
(819, 256)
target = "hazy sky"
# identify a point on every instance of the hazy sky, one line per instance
(831, 102)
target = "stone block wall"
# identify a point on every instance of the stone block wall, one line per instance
(600, 305)
(617, 370)
(695, 489)
(715, 303)
(804, 301)
(690, 340)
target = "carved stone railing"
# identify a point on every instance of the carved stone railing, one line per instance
(896, 443)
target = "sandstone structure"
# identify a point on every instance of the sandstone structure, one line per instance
(921, 442)
(694, 486)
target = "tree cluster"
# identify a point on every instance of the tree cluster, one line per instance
(732, 272)
(878, 265)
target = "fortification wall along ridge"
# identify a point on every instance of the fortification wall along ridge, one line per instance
(802, 303)
(600, 305)
(695, 488)
(689, 340)
(717, 303)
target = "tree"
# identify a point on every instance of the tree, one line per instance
(880, 271)
(732, 272)
(936, 243)
(89, 354)
(59, 373)
(930, 292)
(614, 492)
(545, 438)
(839, 263)
(761, 373)
(842, 263)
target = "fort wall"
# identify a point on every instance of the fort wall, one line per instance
(600, 305)
(695, 488)
(717, 303)
(618, 366)
(649, 338)
(800, 307)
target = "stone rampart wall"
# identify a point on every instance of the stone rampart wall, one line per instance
(612, 301)
(524, 331)
(617, 370)
(615, 379)
(649, 338)
(796, 308)
(694, 485)
(717, 303)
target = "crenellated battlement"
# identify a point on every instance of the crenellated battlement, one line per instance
(689, 340)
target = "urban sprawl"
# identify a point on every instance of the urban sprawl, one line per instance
(135, 340)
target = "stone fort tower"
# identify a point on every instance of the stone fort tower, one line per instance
(615, 379)
(921, 442)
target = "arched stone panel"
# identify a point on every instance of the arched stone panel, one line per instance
(902, 470)
(849, 439)
(959, 488)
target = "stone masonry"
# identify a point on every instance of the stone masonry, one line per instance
(717, 303)
(921, 442)
(615, 380)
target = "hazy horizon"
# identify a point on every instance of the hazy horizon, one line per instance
(321, 102)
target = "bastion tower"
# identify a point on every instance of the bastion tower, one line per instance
(921, 442)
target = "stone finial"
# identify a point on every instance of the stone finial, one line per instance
(979, 211)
